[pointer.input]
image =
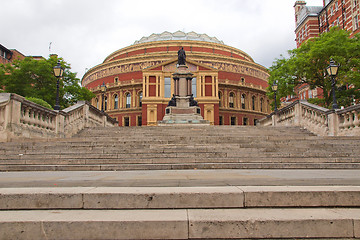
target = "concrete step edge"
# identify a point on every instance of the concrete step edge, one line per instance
(181, 224)
(179, 197)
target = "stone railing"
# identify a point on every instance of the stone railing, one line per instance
(20, 118)
(319, 120)
(349, 123)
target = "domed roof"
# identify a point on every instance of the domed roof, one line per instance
(179, 35)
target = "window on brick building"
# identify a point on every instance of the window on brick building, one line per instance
(221, 121)
(97, 103)
(193, 87)
(105, 103)
(261, 104)
(253, 100)
(231, 100)
(356, 22)
(126, 121)
(139, 118)
(233, 120)
(116, 101)
(167, 86)
(243, 97)
(245, 121)
(128, 100)
(140, 99)
(220, 99)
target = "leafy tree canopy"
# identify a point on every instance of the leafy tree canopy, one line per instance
(35, 78)
(307, 65)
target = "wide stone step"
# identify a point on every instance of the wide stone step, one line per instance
(176, 166)
(166, 159)
(179, 197)
(288, 223)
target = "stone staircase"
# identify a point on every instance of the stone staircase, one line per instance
(244, 212)
(183, 147)
(197, 212)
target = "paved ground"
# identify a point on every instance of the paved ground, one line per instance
(181, 178)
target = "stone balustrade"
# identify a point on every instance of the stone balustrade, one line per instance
(349, 123)
(319, 120)
(20, 118)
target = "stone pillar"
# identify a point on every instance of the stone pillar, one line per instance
(333, 124)
(176, 86)
(189, 86)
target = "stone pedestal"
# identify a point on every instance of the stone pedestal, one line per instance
(183, 112)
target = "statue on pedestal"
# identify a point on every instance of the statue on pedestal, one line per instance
(181, 56)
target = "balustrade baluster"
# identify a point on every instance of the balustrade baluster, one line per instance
(356, 119)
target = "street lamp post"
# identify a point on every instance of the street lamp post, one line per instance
(332, 71)
(103, 91)
(58, 73)
(274, 87)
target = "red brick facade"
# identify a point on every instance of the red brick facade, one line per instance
(312, 21)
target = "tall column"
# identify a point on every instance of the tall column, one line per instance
(176, 86)
(147, 85)
(213, 85)
(189, 83)
(144, 86)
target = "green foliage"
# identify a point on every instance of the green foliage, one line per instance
(35, 78)
(307, 64)
(40, 102)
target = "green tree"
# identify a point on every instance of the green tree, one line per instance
(35, 78)
(307, 65)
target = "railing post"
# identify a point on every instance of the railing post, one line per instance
(86, 115)
(333, 124)
(297, 114)
(274, 119)
(60, 124)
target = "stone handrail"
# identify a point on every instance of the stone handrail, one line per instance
(319, 120)
(20, 118)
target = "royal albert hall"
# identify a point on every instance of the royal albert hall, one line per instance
(228, 85)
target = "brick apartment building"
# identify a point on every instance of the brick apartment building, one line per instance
(9, 55)
(310, 21)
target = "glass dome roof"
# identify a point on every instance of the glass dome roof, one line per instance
(179, 35)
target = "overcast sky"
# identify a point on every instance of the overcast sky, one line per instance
(84, 32)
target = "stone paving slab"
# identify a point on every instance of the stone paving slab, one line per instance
(182, 178)
(273, 223)
(94, 224)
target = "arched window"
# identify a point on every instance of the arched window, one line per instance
(261, 104)
(220, 99)
(140, 98)
(253, 102)
(105, 103)
(116, 101)
(128, 100)
(231, 100)
(243, 97)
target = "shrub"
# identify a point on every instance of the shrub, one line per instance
(39, 102)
